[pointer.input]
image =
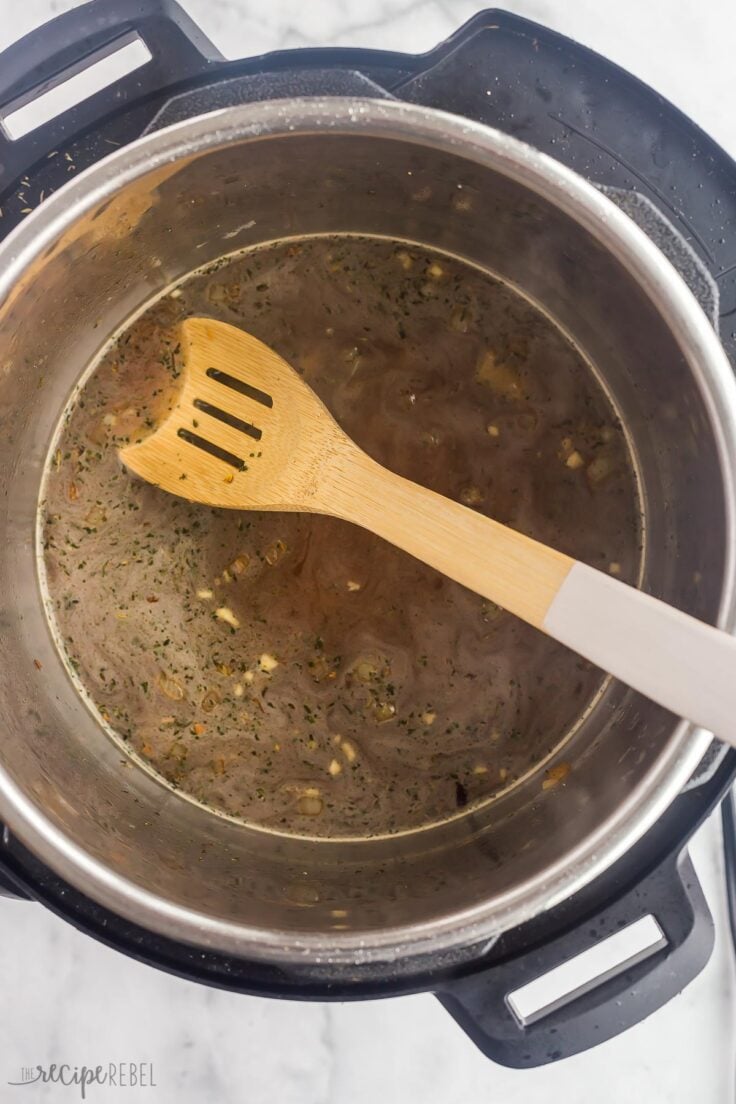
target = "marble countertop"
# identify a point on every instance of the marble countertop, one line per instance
(68, 998)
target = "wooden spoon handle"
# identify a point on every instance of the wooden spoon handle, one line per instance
(679, 662)
(503, 565)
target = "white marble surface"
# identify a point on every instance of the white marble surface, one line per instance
(69, 999)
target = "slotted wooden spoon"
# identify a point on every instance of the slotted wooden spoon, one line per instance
(248, 433)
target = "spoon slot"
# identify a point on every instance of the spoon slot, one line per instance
(228, 419)
(241, 386)
(214, 450)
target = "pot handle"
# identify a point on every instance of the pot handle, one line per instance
(612, 1002)
(69, 44)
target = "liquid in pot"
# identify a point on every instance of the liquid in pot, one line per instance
(295, 671)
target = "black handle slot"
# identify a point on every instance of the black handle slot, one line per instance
(99, 70)
(488, 1007)
(167, 48)
(586, 971)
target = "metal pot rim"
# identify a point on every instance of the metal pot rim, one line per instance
(581, 201)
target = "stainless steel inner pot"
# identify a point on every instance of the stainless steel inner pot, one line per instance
(111, 241)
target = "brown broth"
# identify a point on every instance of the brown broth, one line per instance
(398, 698)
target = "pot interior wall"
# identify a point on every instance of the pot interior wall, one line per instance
(121, 254)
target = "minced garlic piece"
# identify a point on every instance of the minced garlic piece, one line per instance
(224, 613)
(352, 585)
(249, 678)
(574, 461)
(239, 564)
(384, 711)
(170, 687)
(555, 775)
(349, 751)
(429, 718)
(614, 568)
(275, 552)
(96, 516)
(480, 769)
(471, 496)
(435, 271)
(310, 803)
(460, 319)
(334, 768)
(501, 377)
(365, 670)
(268, 663)
(599, 469)
(404, 259)
(205, 594)
(493, 431)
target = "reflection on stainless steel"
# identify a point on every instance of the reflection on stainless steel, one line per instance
(69, 278)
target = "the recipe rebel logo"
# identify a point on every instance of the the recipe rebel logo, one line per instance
(118, 1075)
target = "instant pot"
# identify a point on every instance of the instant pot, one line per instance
(529, 155)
